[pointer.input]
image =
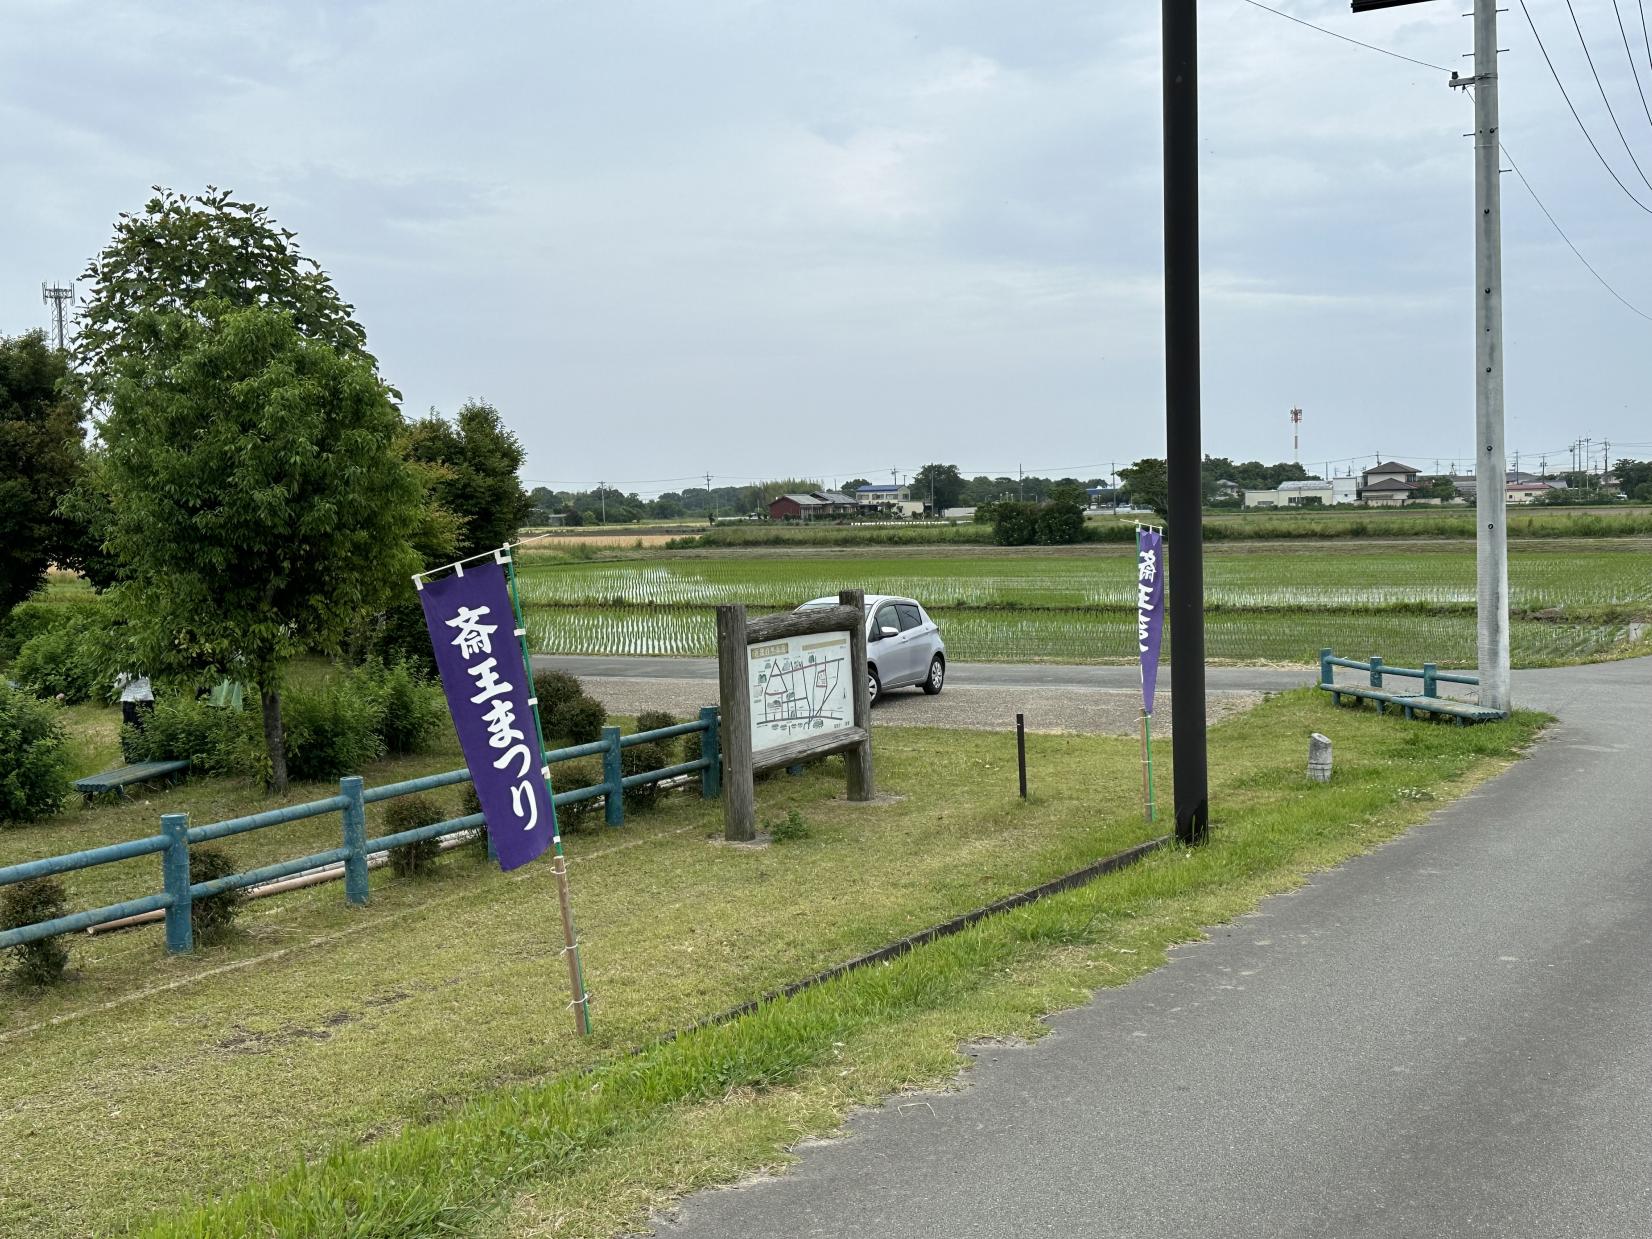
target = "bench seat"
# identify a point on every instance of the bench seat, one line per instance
(122, 777)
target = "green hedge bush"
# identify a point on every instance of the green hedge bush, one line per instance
(212, 739)
(409, 813)
(42, 962)
(654, 720)
(34, 757)
(28, 620)
(212, 917)
(332, 730)
(410, 706)
(78, 659)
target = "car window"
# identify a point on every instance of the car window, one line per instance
(887, 617)
(909, 616)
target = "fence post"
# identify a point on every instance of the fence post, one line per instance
(613, 809)
(1327, 673)
(1431, 684)
(180, 932)
(1376, 672)
(355, 839)
(711, 778)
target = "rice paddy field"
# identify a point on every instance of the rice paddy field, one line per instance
(1572, 602)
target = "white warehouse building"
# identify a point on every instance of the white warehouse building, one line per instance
(1298, 494)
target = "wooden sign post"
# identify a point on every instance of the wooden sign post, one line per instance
(810, 699)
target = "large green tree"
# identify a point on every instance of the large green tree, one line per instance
(40, 461)
(1147, 484)
(184, 251)
(476, 459)
(259, 504)
(941, 483)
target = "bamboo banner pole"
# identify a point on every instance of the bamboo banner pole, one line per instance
(1147, 763)
(581, 1003)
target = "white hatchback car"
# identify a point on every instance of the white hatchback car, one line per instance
(903, 645)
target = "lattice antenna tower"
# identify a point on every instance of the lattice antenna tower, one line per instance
(58, 299)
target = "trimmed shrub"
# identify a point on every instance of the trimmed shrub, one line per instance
(1014, 524)
(42, 962)
(212, 917)
(638, 759)
(1060, 524)
(409, 813)
(581, 721)
(693, 745)
(555, 689)
(653, 720)
(331, 731)
(569, 776)
(469, 803)
(34, 757)
(567, 713)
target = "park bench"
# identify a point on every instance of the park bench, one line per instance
(1428, 701)
(122, 777)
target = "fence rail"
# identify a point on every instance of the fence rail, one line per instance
(173, 843)
(1375, 668)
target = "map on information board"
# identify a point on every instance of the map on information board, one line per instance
(800, 686)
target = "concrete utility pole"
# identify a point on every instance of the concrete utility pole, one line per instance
(602, 497)
(1490, 463)
(1490, 501)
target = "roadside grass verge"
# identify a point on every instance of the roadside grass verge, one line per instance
(590, 1148)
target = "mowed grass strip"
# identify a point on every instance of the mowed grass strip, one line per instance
(588, 1152)
(317, 1024)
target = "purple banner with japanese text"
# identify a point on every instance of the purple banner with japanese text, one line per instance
(1149, 608)
(473, 631)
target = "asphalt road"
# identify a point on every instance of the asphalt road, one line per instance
(1451, 1036)
(978, 697)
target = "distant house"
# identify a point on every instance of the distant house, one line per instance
(1389, 484)
(888, 497)
(1526, 492)
(814, 506)
(1226, 489)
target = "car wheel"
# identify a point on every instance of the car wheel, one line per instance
(874, 687)
(936, 679)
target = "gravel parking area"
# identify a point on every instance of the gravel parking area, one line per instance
(975, 707)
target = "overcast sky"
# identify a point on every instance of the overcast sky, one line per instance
(839, 237)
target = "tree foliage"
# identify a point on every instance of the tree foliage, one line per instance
(1148, 484)
(40, 460)
(473, 463)
(183, 252)
(259, 504)
(942, 482)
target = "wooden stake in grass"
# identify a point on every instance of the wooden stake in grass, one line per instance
(1147, 764)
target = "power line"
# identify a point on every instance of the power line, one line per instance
(1602, 88)
(1547, 214)
(1368, 46)
(1634, 309)
(1630, 57)
(1587, 137)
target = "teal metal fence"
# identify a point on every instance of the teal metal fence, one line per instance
(178, 894)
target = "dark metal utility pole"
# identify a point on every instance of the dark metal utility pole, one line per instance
(1183, 451)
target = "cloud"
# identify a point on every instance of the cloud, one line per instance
(896, 227)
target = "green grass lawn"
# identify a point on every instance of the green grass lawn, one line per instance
(320, 1029)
